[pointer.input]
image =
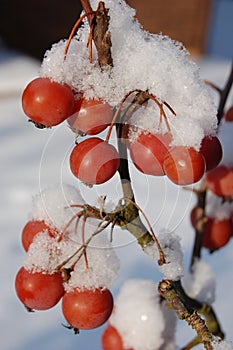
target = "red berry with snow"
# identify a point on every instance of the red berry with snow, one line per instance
(90, 116)
(32, 228)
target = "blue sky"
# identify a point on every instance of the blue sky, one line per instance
(220, 41)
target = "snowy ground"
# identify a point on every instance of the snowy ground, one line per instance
(33, 159)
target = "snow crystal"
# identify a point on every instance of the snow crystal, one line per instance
(143, 61)
(103, 267)
(138, 316)
(201, 284)
(49, 254)
(173, 269)
(219, 344)
(52, 205)
(45, 253)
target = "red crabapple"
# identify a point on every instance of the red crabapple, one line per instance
(217, 233)
(87, 309)
(184, 165)
(229, 115)
(32, 228)
(111, 339)
(94, 161)
(90, 116)
(38, 290)
(220, 181)
(211, 149)
(47, 103)
(148, 151)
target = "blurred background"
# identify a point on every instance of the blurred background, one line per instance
(204, 26)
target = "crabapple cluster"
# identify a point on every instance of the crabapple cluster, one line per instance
(95, 161)
(49, 274)
(153, 154)
(216, 218)
(49, 103)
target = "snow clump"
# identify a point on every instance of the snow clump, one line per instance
(139, 317)
(142, 61)
(173, 268)
(200, 284)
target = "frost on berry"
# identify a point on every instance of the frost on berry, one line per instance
(173, 269)
(200, 284)
(46, 253)
(143, 61)
(139, 317)
(103, 267)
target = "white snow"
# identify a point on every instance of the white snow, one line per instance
(103, 269)
(200, 284)
(170, 243)
(138, 311)
(142, 61)
(54, 205)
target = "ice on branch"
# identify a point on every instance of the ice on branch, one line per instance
(173, 269)
(201, 284)
(140, 318)
(53, 205)
(143, 61)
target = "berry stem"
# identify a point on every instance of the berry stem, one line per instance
(162, 259)
(75, 27)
